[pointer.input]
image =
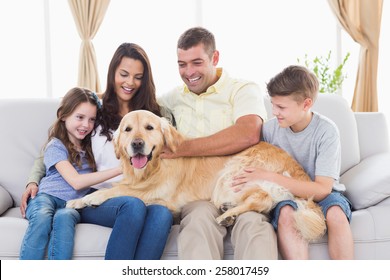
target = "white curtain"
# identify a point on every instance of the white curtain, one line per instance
(88, 16)
(362, 20)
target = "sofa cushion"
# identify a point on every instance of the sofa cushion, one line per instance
(90, 240)
(11, 236)
(26, 133)
(368, 182)
(337, 109)
(5, 200)
(373, 133)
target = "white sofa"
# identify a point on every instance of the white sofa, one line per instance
(365, 161)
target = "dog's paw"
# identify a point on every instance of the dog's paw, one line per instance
(94, 199)
(75, 203)
(226, 221)
(226, 206)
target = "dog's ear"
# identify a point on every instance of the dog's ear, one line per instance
(115, 139)
(172, 137)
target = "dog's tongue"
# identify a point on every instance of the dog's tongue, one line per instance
(139, 161)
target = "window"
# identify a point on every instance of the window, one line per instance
(256, 39)
(22, 52)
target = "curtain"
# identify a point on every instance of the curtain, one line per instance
(88, 16)
(362, 20)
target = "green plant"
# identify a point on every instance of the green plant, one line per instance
(330, 80)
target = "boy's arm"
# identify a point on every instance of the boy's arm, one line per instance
(318, 190)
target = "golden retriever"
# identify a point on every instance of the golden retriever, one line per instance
(139, 141)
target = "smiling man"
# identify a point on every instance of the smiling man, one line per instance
(222, 116)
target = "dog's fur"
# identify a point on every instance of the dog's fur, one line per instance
(139, 141)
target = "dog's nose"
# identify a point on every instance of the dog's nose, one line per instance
(137, 144)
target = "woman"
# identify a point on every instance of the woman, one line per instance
(138, 231)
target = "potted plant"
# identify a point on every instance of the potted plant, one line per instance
(330, 80)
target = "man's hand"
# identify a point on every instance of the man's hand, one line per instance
(166, 153)
(31, 191)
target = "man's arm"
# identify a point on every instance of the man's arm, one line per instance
(243, 134)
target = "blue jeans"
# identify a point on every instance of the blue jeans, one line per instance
(138, 231)
(50, 223)
(335, 198)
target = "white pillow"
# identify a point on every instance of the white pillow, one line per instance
(368, 183)
(5, 200)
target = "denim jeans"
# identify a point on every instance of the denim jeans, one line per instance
(49, 223)
(138, 231)
(335, 198)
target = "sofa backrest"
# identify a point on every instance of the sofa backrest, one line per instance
(337, 109)
(24, 125)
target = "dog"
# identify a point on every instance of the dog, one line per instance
(139, 141)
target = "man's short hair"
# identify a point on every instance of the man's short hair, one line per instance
(195, 36)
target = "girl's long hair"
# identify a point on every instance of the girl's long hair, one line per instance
(144, 99)
(71, 100)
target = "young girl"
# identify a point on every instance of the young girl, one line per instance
(70, 167)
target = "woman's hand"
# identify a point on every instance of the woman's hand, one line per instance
(31, 191)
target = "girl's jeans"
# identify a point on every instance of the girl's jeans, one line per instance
(49, 223)
(138, 231)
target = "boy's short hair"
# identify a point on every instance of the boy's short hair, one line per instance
(195, 36)
(296, 81)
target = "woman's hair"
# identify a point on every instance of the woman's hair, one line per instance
(71, 100)
(195, 36)
(296, 81)
(144, 99)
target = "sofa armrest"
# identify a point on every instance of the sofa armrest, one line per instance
(373, 133)
(368, 183)
(5, 200)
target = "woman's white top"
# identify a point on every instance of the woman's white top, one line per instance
(104, 153)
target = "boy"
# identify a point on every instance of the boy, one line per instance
(313, 140)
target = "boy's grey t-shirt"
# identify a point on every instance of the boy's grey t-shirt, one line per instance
(317, 148)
